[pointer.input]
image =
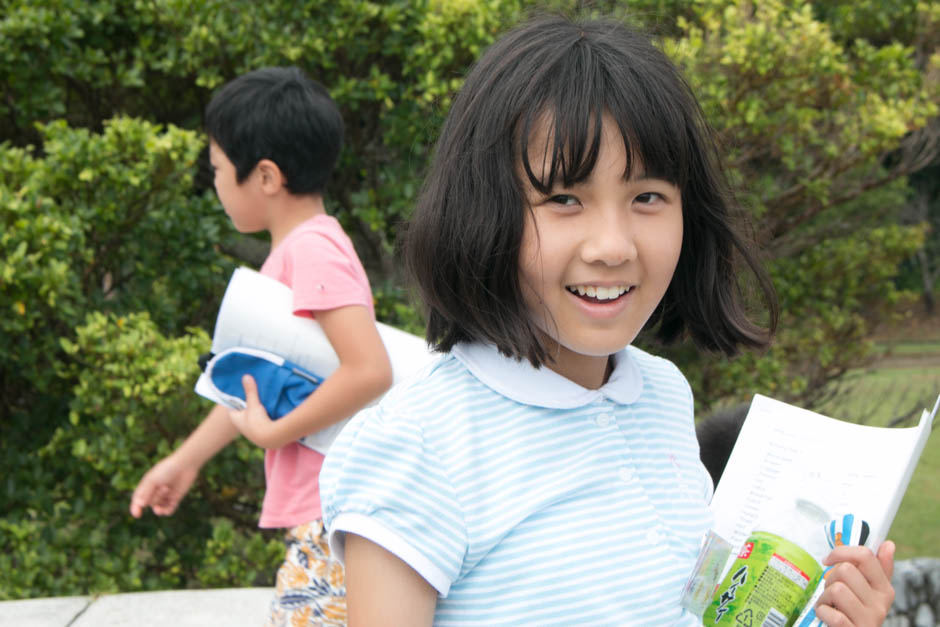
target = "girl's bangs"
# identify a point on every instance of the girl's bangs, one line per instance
(563, 127)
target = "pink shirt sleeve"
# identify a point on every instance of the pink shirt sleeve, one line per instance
(324, 276)
(319, 263)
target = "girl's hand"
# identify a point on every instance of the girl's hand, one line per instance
(858, 590)
(253, 422)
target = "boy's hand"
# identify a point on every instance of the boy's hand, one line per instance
(253, 422)
(858, 588)
(162, 487)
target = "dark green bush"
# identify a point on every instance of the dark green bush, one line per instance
(67, 528)
(100, 222)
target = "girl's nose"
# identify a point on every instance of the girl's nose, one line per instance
(609, 242)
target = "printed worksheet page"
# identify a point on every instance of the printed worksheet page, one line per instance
(784, 453)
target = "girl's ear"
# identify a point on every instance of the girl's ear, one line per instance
(271, 177)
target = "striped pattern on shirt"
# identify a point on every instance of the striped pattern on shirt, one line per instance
(523, 511)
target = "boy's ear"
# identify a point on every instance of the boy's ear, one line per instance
(272, 179)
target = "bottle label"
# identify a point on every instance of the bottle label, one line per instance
(767, 585)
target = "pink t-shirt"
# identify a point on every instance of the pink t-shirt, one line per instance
(318, 262)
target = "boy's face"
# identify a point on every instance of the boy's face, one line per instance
(241, 201)
(597, 258)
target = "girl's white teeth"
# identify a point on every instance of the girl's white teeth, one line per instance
(600, 292)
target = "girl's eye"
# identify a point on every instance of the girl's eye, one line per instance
(563, 199)
(648, 198)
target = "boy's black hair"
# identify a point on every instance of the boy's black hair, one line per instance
(717, 434)
(278, 113)
(462, 246)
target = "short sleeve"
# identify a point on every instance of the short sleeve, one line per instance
(323, 275)
(383, 481)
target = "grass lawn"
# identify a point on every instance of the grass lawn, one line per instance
(908, 379)
(913, 347)
(916, 529)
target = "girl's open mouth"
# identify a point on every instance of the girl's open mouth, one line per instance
(599, 293)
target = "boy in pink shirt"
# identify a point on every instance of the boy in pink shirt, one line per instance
(274, 136)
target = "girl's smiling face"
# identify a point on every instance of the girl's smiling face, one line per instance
(597, 257)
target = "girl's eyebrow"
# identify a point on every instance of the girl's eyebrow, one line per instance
(643, 176)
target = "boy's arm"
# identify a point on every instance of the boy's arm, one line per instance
(383, 590)
(858, 588)
(166, 483)
(364, 373)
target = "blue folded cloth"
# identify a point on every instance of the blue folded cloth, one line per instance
(282, 384)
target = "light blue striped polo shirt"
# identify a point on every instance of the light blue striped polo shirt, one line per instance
(524, 498)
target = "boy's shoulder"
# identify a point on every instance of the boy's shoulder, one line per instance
(321, 225)
(311, 238)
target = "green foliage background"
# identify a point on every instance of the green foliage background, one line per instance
(114, 253)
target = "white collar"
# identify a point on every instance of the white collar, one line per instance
(542, 387)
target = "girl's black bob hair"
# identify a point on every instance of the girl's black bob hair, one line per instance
(461, 248)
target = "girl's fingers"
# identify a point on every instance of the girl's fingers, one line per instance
(858, 588)
(865, 561)
(886, 558)
(841, 606)
(846, 593)
(832, 617)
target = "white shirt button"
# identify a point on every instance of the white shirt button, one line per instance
(626, 474)
(653, 536)
(602, 420)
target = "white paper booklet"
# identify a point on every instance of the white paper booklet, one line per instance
(784, 453)
(257, 312)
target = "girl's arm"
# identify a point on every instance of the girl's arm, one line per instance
(383, 590)
(858, 588)
(364, 373)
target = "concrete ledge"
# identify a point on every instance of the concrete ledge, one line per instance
(55, 612)
(233, 607)
(916, 585)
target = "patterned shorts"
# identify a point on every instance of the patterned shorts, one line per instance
(310, 587)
